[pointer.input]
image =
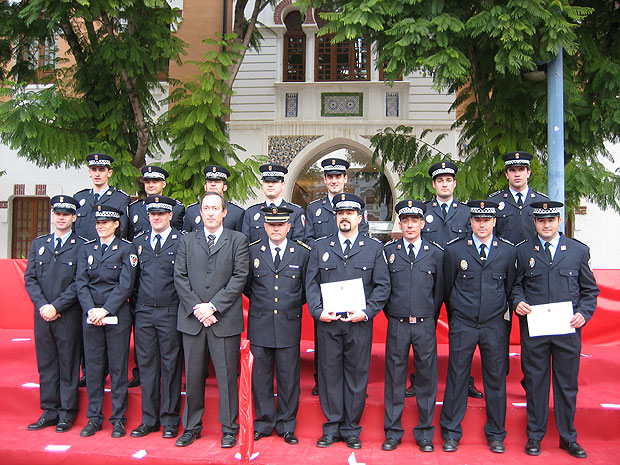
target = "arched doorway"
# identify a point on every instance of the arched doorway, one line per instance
(364, 179)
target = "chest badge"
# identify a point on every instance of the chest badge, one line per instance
(562, 247)
(318, 212)
(197, 219)
(41, 250)
(430, 218)
(464, 265)
(256, 263)
(135, 219)
(392, 257)
(90, 259)
(325, 256)
(82, 202)
(256, 216)
(532, 262)
(501, 206)
(133, 260)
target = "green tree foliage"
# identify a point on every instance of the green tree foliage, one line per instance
(479, 50)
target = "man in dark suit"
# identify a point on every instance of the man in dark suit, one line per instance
(446, 219)
(345, 335)
(276, 292)
(50, 283)
(416, 275)
(158, 344)
(100, 171)
(552, 268)
(479, 272)
(210, 273)
(216, 180)
(272, 185)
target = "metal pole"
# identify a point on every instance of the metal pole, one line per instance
(555, 130)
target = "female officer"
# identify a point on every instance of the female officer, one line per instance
(105, 278)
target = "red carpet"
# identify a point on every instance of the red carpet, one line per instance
(598, 426)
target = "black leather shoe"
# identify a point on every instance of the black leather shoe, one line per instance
(426, 445)
(82, 382)
(326, 440)
(532, 447)
(258, 435)
(143, 430)
(390, 444)
(187, 438)
(42, 423)
(64, 425)
(496, 446)
(118, 428)
(353, 442)
(133, 382)
(170, 432)
(228, 440)
(573, 449)
(472, 391)
(450, 445)
(315, 390)
(289, 437)
(90, 429)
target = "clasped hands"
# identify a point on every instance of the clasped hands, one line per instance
(204, 312)
(353, 317)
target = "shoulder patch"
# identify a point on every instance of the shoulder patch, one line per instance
(435, 244)
(255, 242)
(303, 244)
(505, 240)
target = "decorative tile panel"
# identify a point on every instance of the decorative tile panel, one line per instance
(342, 104)
(283, 149)
(292, 100)
(391, 104)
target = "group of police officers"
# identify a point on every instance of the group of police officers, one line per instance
(460, 255)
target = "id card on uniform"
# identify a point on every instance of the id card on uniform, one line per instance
(550, 319)
(344, 296)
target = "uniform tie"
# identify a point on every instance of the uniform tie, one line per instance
(411, 253)
(483, 254)
(548, 252)
(97, 197)
(104, 247)
(272, 204)
(347, 247)
(210, 243)
(58, 244)
(444, 210)
(276, 259)
(519, 200)
(157, 248)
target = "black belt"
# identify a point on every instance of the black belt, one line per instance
(409, 319)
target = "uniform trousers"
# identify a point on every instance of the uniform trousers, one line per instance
(267, 416)
(159, 349)
(401, 335)
(344, 363)
(490, 339)
(58, 345)
(113, 341)
(540, 358)
(224, 353)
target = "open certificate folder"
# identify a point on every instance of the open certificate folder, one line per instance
(550, 319)
(343, 296)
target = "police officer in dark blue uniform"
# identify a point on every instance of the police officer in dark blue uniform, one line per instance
(552, 268)
(216, 178)
(104, 280)
(50, 283)
(345, 334)
(100, 171)
(276, 289)
(320, 216)
(154, 183)
(158, 344)
(272, 185)
(416, 275)
(479, 272)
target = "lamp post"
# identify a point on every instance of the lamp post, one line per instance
(555, 130)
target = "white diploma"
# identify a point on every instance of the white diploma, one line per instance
(344, 296)
(550, 319)
(108, 320)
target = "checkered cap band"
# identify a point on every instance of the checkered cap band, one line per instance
(348, 205)
(410, 211)
(518, 161)
(106, 215)
(64, 206)
(476, 211)
(446, 170)
(158, 206)
(100, 162)
(154, 175)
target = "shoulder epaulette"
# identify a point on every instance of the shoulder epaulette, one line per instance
(314, 201)
(135, 201)
(452, 241)
(233, 204)
(83, 238)
(540, 193)
(179, 202)
(91, 241)
(255, 242)
(303, 244)
(295, 205)
(192, 204)
(375, 239)
(125, 240)
(83, 190)
(522, 242)
(124, 193)
(435, 244)
(43, 235)
(495, 193)
(323, 237)
(506, 241)
(141, 233)
(391, 242)
(578, 241)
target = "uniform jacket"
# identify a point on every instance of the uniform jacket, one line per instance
(477, 291)
(219, 278)
(366, 260)
(418, 287)
(254, 221)
(85, 223)
(139, 218)
(568, 278)
(233, 219)
(106, 281)
(50, 277)
(442, 231)
(155, 281)
(514, 223)
(276, 296)
(321, 220)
